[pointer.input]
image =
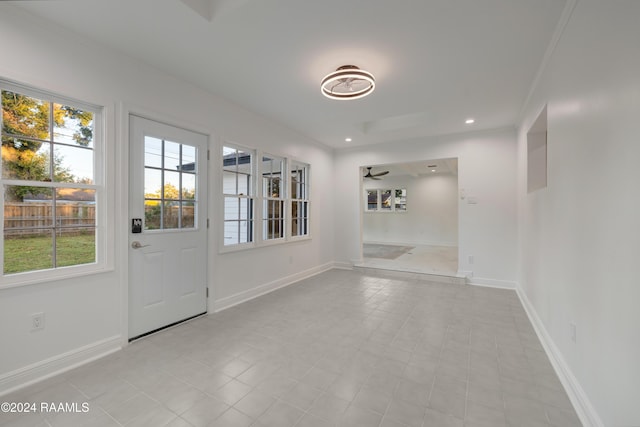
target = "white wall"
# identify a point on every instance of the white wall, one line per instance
(486, 171)
(87, 315)
(431, 217)
(580, 236)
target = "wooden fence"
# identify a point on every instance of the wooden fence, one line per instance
(22, 219)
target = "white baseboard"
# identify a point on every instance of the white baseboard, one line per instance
(581, 403)
(343, 265)
(250, 294)
(491, 283)
(406, 243)
(39, 371)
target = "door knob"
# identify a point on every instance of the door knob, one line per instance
(137, 245)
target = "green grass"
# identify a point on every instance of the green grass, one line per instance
(34, 252)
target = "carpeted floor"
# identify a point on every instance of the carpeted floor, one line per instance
(370, 250)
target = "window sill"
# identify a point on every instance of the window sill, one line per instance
(262, 244)
(52, 275)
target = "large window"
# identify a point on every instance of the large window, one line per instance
(386, 200)
(237, 187)
(272, 170)
(299, 199)
(49, 180)
(266, 198)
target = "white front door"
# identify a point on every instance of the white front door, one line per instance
(168, 225)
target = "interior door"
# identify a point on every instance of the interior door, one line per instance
(168, 225)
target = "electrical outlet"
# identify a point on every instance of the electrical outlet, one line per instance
(37, 321)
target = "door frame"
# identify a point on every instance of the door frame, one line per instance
(122, 178)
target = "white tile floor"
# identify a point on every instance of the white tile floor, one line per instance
(343, 348)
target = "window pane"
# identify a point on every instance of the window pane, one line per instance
(73, 164)
(229, 185)
(245, 231)
(275, 188)
(152, 183)
(188, 215)
(299, 218)
(188, 158)
(245, 209)
(243, 184)
(231, 208)
(401, 199)
(385, 199)
(25, 159)
(298, 178)
(229, 159)
(171, 185)
(24, 115)
(27, 251)
(231, 232)
(74, 247)
(271, 173)
(75, 208)
(152, 215)
(372, 200)
(72, 126)
(171, 155)
(171, 215)
(244, 162)
(152, 152)
(272, 209)
(244, 168)
(188, 186)
(27, 207)
(274, 229)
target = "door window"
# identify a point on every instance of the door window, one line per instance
(170, 193)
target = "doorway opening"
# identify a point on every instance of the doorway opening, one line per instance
(410, 217)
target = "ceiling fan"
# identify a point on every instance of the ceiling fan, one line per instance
(374, 175)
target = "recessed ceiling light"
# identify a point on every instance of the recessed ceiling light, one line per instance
(347, 140)
(433, 170)
(470, 121)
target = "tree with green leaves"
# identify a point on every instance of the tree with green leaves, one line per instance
(154, 206)
(27, 124)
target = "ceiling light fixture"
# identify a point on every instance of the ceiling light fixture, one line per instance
(348, 82)
(470, 121)
(347, 140)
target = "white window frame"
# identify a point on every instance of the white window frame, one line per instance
(265, 199)
(378, 208)
(102, 262)
(251, 197)
(259, 197)
(295, 165)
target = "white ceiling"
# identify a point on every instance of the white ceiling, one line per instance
(436, 62)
